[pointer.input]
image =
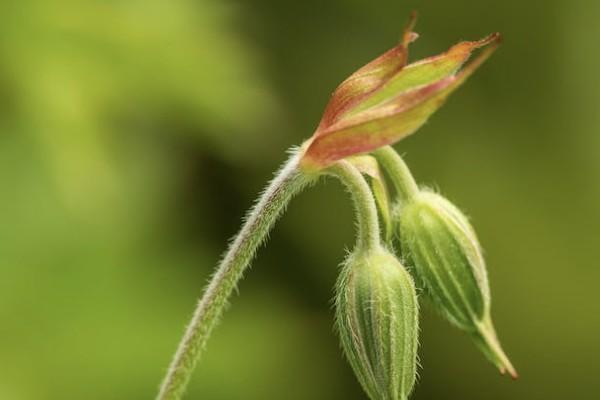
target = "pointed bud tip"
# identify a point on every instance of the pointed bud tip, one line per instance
(503, 363)
(408, 36)
(412, 21)
(511, 372)
(495, 37)
(492, 348)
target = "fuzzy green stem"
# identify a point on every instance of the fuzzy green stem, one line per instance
(398, 171)
(364, 203)
(289, 181)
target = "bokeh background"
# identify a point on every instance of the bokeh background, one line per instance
(134, 135)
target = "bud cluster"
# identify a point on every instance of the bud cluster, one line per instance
(376, 301)
(376, 296)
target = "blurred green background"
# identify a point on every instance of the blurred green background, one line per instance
(134, 135)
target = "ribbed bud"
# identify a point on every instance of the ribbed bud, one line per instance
(377, 319)
(439, 243)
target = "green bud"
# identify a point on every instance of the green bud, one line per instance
(442, 248)
(377, 319)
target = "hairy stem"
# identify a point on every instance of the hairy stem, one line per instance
(398, 171)
(364, 203)
(289, 181)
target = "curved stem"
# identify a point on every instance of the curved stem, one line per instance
(289, 181)
(364, 203)
(398, 171)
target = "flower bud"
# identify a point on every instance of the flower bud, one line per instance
(377, 319)
(442, 248)
(388, 99)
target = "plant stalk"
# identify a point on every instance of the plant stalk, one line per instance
(364, 204)
(402, 180)
(289, 181)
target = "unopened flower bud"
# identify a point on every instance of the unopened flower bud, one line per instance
(440, 244)
(377, 319)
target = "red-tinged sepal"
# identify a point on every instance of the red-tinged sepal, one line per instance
(368, 78)
(396, 108)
